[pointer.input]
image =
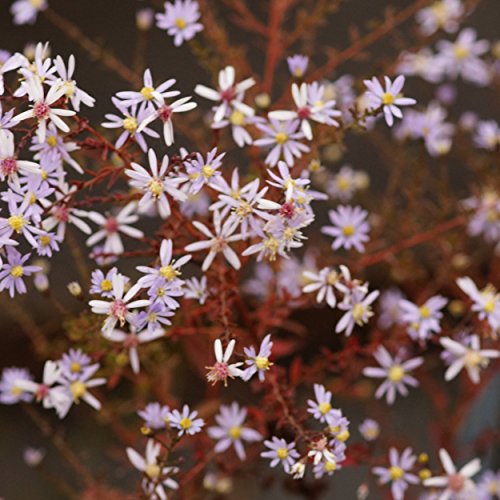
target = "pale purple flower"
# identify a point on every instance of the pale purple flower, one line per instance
(186, 421)
(196, 289)
(389, 98)
(398, 473)
(230, 430)
(369, 429)
(321, 408)
(291, 186)
(390, 312)
(488, 486)
(322, 283)
(10, 392)
(396, 373)
(204, 171)
(422, 321)
(442, 14)
(14, 270)
(280, 452)
(26, 11)
(485, 219)
(102, 284)
(258, 362)
(155, 415)
(297, 65)
(180, 20)
(75, 364)
(487, 135)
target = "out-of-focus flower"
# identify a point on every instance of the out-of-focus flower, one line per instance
(180, 20)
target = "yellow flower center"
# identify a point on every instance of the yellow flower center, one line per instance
(207, 171)
(44, 174)
(358, 311)
(36, 4)
(16, 391)
(396, 373)
(332, 277)
(235, 432)
(282, 453)
(147, 93)
(244, 209)
(460, 51)
(262, 363)
(152, 470)
(237, 118)
(130, 124)
(106, 285)
(16, 223)
(180, 23)
(75, 367)
(396, 472)
(424, 474)
(324, 407)
(330, 466)
(387, 98)
(343, 183)
(489, 306)
(281, 137)
(343, 436)
(17, 271)
(52, 141)
(348, 230)
(425, 312)
(472, 358)
(185, 423)
(155, 186)
(45, 240)
(69, 88)
(77, 389)
(169, 273)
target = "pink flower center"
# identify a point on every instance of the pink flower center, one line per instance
(217, 372)
(287, 210)
(164, 113)
(8, 166)
(61, 213)
(118, 309)
(41, 110)
(41, 392)
(456, 482)
(111, 225)
(228, 94)
(304, 113)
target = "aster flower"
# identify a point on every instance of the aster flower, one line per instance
(155, 185)
(297, 65)
(320, 451)
(423, 63)
(398, 474)
(350, 228)
(112, 226)
(284, 181)
(201, 171)
(311, 105)
(358, 310)
(180, 20)
(217, 242)
(395, 371)
(10, 392)
(155, 416)
(10, 166)
(186, 421)
(156, 476)
(472, 357)
(221, 370)
(283, 137)
(26, 11)
(389, 98)
(230, 430)
(102, 284)
(443, 14)
(280, 452)
(488, 487)
(322, 283)
(369, 429)
(13, 271)
(455, 482)
(196, 289)
(487, 135)
(485, 219)
(258, 362)
(42, 109)
(229, 94)
(238, 123)
(390, 312)
(343, 184)
(118, 309)
(154, 318)
(423, 320)
(75, 364)
(131, 340)
(321, 409)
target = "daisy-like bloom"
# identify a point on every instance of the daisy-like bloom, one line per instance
(75, 95)
(350, 228)
(201, 172)
(258, 362)
(217, 242)
(343, 184)
(443, 14)
(389, 98)
(311, 105)
(156, 476)
(112, 226)
(423, 320)
(284, 181)
(148, 94)
(131, 340)
(164, 112)
(155, 415)
(10, 166)
(130, 120)
(298, 470)
(297, 65)
(78, 389)
(423, 63)
(14, 270)
(321, 409)
(154, 318)
(186, 421)
(320, 451)
(118, 309)
(42, 109)
(283, 137)
(472, 357)
(102, 284)
(26, 11)
(456, 484)
(10, 392)
(229, 95)
(221, 370)
(485, 219)
(322, 283)
(398, 473)
(180, 20)
(487, 135)
(396, 374)
(462, 57)
(230, 430)
(75, 364)
(238, 123)
(280, 452)
(390, 312)
(196, 289)
(358, 310)
(486, 302)
(369, 429)
(51, 395)
(155, 185)
(488, 487)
